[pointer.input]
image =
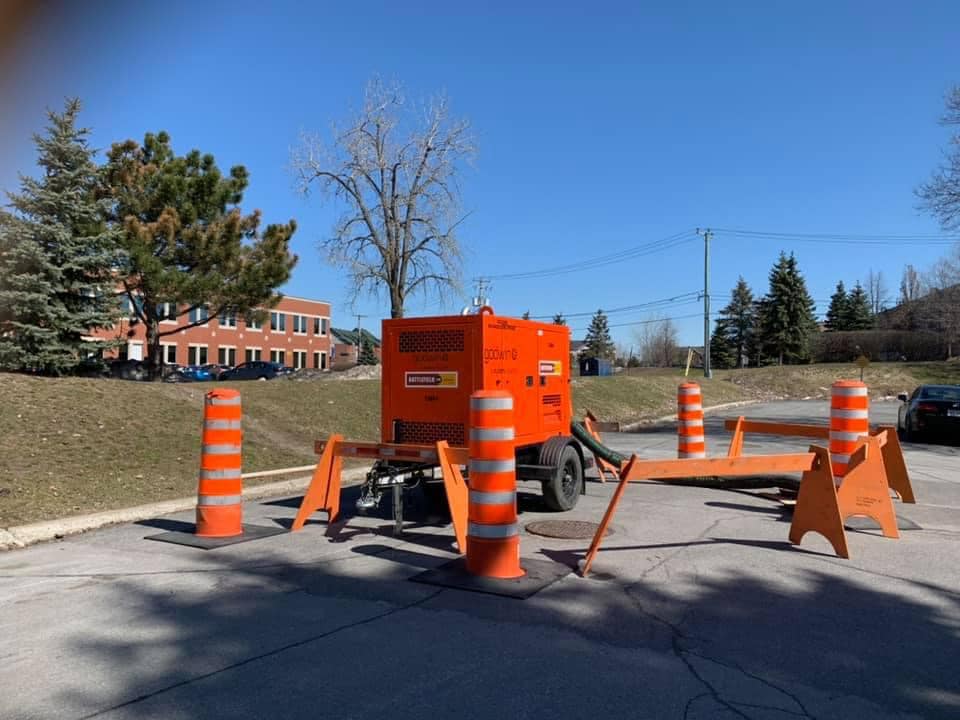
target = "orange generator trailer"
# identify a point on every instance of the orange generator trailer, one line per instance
(431, 365)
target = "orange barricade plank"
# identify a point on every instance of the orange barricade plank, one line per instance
(818, 432)
(607, 516)
(896, 468)
(736, 442)
(864, 490)
(818, 508)
(457, 493)
(324, 490)
(640, 470)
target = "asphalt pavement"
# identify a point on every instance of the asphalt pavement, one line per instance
(697, 607)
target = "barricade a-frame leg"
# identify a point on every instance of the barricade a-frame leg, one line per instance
(818, 508)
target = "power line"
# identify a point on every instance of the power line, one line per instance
(838, 238)
(603, 260)
(646, 322)
(682, 299)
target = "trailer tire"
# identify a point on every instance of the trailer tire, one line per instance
(562, 491)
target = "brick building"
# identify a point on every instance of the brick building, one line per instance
(296, 333)
(343, 351)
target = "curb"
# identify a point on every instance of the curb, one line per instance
(23, 535)
(634, 426)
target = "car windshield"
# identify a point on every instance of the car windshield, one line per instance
(951, 394)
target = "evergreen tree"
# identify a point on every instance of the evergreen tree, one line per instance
(736, 327)
(367, 355)
(598, 343)
(526, 315)
(838, 314)
(858, 308)
(559, 319)
(56, 255)
(787, 319)
(189, 248)
(721, 349)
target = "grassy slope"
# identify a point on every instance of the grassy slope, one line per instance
(70, 446)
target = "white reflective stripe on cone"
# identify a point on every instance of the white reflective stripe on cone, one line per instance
(838, 458)
(481, 434)
(690, 423)
(690, 439)
(222, 424)
(224, 474)
(690, 408)
(219, 499)
(223, 401)
(844, 436)
(493, 498)
(493, 466)
(688, 391)
(849, 391)
(492, 532)
(691, 455)
(220, 450)
(850, 414)
(495, 403)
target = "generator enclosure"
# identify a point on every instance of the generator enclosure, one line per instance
(432, 365)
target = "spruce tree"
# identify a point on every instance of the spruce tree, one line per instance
(859, 316)
(838, 314)
(721, 349)
(559, 319)
(737, 323)
(598, 343)
(56, 255)
(526, 315)
(787, 315)
(367, 354)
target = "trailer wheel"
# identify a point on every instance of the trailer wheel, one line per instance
(562, 491)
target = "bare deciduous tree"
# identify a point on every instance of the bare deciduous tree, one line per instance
(910, 286)
(877, 292)
(941, 195)
(657, 339)
(396, 172)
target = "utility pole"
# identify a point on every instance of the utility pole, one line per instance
(707, 234)
(359, 336)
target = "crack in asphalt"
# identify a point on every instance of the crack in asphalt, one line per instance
(684, 655)
(261, 656)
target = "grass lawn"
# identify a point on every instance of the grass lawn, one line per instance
(70, 446)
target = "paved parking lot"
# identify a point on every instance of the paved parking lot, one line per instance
(698, 608)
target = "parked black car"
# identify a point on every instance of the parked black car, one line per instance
(256, 370)
(931, 410)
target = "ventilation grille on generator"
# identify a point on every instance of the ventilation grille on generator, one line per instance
(427, 433)
(551, 400)
(424, 341)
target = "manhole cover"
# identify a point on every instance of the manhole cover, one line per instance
(564, 529)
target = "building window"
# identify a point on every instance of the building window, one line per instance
(228, 319)
(320, 360)
(168, 353)
(199, 315)
(251, 354)
(197, 355)
(299, 324)
(319, 326)
(278, 321)
(133, 306)
(278, 356)
(254, 324)
(299, 359)
(167, 312)
(227, 356)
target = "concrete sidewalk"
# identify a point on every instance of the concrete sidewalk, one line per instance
(697, 608)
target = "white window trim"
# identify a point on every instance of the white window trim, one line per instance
(251, 349)
(198, 345)
(321, 318)
(305, 357)
(220, 324)
(281, 331)
(227, 347)
(324, 363)
(305, 323)
(205, 324)
(283, 351)
(169, 320)
(163, 352)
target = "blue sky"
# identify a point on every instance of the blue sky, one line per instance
(601, 127)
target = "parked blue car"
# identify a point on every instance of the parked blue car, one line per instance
(190, 373)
